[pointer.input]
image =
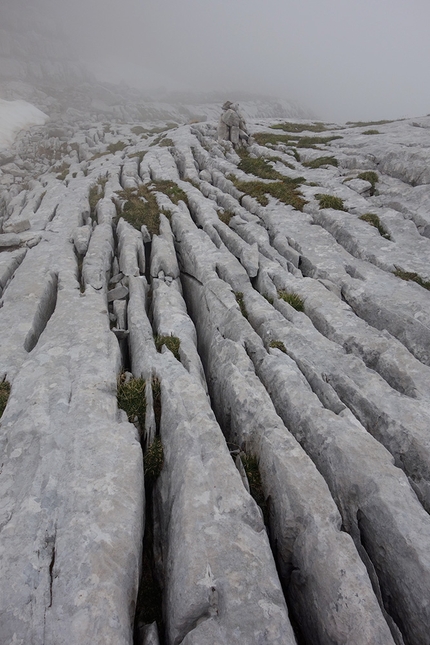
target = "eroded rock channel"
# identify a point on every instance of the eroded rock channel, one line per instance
(218, 424)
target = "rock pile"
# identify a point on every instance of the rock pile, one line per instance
(232, 126)
(265, 478)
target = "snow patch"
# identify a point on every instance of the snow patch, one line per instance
(16, 116)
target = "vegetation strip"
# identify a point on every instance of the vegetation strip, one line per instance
(330, 201)
(374, 220)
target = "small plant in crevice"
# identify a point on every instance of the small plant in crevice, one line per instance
(149, 600)
(268, 298)
(4, 395)
(414, 277)
(321, 161)
(225, 217)
(292, 299)
(153, 461)
(330, 201)
(96, 193)
(371, 177)
(132, 399)
(250, 464)
(278, 344)
(156, 401)
(373, 220)
(172, 342)
(63, 171)
(371, 132)
(241, 303)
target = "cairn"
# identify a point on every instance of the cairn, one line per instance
(232, 125)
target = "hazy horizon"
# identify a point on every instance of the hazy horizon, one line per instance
(343, 62)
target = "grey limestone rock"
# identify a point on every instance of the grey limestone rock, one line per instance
(81, 239)
(210, 571)
(131, 251)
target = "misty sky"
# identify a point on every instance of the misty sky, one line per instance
(342, 59)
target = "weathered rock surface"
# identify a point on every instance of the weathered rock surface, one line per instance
(300, 377)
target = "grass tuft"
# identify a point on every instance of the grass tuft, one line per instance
(131, 398)
(329, 201)
(250, 464)
(96, 193)
(225, 217)
(172, 342)
(4, 395)
(293, 299)
(371, 132)
(408, 275)
(278, 344)
(373, 220)
(371, 177)
(321, 161)
(153, 461)
(240, 301)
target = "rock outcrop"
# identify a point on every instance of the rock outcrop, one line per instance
(267, 480)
